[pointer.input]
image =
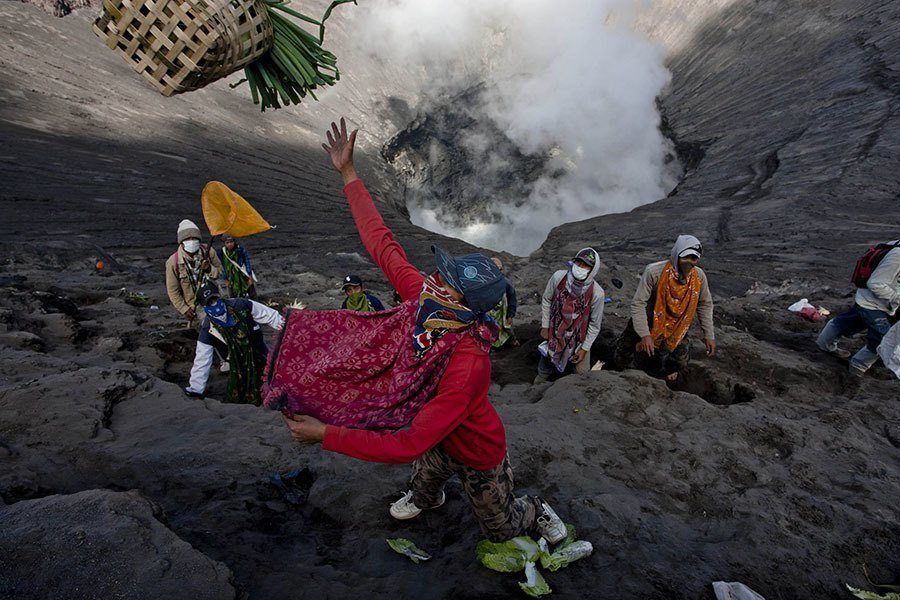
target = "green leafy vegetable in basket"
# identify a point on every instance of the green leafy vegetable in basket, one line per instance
(296, 64)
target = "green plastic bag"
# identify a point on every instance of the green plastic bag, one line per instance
(407, 548)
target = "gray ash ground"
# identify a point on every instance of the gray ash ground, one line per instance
(767, 464)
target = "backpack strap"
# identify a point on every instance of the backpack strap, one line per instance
(174, 258)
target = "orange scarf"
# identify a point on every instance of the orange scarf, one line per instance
(676, 305)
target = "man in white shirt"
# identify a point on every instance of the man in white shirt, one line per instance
(234, 322)
(873, 311)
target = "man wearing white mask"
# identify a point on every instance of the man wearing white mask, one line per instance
(188, 269)
(571, 313)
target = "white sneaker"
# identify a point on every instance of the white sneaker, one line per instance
(224, 367)
(550, 525)
(404, 508)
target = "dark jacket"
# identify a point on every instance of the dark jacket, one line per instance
(243, 258)
(511, 302)
(243, 310)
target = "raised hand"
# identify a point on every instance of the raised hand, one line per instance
(340, 150)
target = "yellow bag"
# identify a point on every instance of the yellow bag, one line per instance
(226, 212)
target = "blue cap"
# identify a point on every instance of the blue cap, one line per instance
(475, 276)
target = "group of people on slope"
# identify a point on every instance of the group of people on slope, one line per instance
(468, 301)
(670, 294)
(227, 326)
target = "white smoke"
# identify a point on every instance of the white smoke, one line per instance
(568, 78)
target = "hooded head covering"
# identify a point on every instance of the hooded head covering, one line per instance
(592, 259)
(685, 245)
(475, 276)
(187, 229)
(570, 310)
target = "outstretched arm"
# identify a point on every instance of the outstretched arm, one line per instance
(376, 237)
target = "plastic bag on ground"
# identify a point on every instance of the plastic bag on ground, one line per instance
(408, 549)
(889, 349)
(734, 591)
(808, 311)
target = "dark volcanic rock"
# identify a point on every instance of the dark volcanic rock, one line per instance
(61, 8)
(127, 552)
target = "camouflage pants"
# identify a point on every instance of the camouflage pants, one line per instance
(501, 515)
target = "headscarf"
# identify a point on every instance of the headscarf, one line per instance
(219, 313)
(589, 256)
(570, 311)
(439, 312)
(359, 301)
(684, 242)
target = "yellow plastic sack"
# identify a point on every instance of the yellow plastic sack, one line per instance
(226, 212)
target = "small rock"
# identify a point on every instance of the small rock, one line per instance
(23, 340)
(108, 345)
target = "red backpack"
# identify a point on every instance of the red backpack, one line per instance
(868, 262)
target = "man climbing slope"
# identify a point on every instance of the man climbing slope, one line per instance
(668, 297)
(876, 303)
(234, 323)
(457, 431)
(571, 314)
(188, 268)
(357, 297)
(239, 273)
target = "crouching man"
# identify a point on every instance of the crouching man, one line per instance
(669, 295)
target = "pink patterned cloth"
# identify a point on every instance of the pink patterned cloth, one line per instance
(354, 369)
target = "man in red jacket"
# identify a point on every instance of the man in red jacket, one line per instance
(457, 432)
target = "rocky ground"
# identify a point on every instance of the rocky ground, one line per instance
(767, 464)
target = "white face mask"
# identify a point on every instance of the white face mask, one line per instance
(191, 246)
(580, 273)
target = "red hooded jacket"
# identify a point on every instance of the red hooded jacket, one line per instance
(459, 418)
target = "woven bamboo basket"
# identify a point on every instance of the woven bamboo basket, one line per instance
(179, 46)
